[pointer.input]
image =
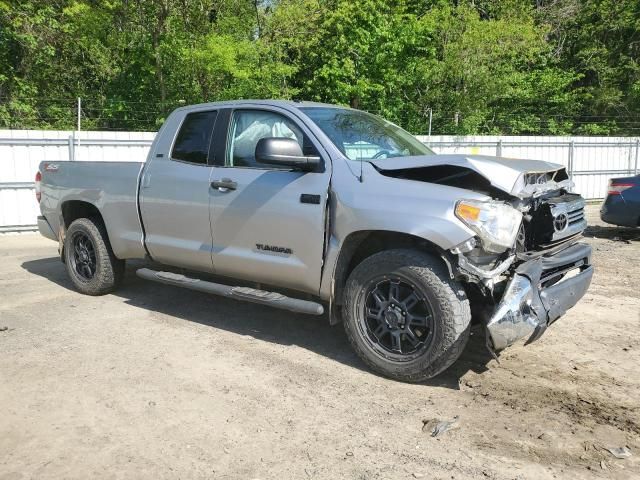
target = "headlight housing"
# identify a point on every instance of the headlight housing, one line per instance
(496, 223)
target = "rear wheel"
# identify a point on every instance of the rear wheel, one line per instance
(404, 316)
(90, 262)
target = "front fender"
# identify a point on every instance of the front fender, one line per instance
(420, 209)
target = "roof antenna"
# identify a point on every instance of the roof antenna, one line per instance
(361, 178)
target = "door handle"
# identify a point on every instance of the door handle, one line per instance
(224, 184)
(146, 180)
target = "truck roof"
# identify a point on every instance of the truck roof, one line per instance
(273, 103)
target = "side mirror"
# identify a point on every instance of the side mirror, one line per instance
(284, 152)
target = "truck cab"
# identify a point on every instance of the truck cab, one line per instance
(208, 204)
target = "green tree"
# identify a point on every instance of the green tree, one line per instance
(601, 40)
(481, 66)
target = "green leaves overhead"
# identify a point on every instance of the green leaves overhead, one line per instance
(499, 66)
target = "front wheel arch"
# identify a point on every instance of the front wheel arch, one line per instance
(360, 245)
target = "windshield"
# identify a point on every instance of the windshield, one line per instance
(362, 136)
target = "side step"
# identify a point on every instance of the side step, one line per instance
(247, 294)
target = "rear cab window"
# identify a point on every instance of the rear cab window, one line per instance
(193, 141)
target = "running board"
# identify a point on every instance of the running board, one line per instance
(247, 294)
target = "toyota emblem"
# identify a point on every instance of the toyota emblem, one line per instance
(560, 222)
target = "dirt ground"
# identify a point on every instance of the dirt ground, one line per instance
(159, 382)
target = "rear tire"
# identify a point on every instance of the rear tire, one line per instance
(90, 262)
(404, 316)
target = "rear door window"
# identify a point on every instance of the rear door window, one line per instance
(194, 138)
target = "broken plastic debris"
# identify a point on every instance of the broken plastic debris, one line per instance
(438, 427)
(620, 452)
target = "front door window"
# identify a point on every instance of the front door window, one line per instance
(248, 127)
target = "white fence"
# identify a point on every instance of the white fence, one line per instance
(22, 150)
(590, 160)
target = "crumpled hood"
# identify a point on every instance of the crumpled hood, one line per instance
(506, 174)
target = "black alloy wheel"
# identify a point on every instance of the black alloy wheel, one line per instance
(404, 315)
(397, 318)
(90, 262)
(83, 257)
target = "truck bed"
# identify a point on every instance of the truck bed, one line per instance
(111, 186)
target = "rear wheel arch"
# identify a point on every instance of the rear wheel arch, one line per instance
(72, 210)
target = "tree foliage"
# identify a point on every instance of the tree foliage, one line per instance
(479, 66)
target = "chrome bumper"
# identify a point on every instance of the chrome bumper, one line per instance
(527, 308)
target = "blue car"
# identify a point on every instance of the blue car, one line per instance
(622, 204)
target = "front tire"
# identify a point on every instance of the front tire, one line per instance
(90, 262)
(404, 316)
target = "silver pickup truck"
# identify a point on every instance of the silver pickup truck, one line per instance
(308, 207)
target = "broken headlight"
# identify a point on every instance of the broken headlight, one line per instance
(496, 223)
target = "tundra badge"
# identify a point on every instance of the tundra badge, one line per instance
(273, 248)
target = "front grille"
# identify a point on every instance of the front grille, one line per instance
(554, 221)
(568, 216)
(576, 216)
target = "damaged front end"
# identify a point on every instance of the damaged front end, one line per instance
(545, 272)
(539, 292)
(523, 266)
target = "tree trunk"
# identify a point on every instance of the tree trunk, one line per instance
(156, 35)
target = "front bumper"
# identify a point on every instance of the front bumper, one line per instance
(540, 292)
